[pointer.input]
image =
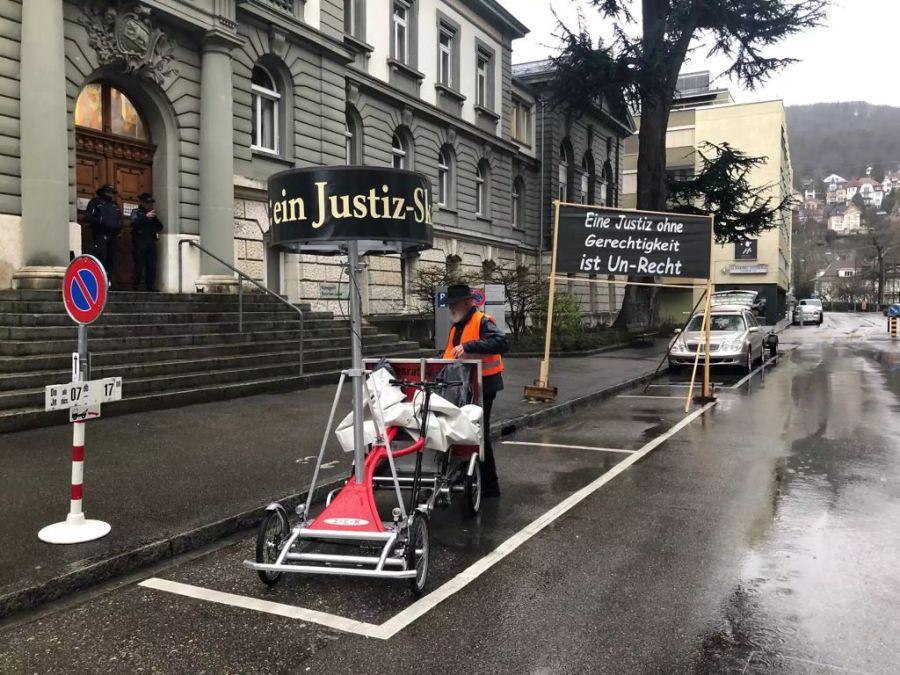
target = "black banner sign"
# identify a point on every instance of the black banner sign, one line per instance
(317, 210)
(594, 240)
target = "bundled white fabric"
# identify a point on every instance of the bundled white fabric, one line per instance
(447, 424)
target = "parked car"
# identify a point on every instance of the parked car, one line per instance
(736, 339)
(808, 311)
(751, 299)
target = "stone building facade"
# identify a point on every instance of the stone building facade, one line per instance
(200, 102)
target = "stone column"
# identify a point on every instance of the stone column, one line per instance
(216, 164)
(44, 147)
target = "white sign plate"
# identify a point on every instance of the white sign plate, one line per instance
(82, 394)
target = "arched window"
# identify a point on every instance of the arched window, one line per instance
(607, 186)
(565, 161)
(401, 150)
(106, 109)
(264, 110)
(588, 179)
(518, 203)
(353, 137)
(447, 177)
(483, 189)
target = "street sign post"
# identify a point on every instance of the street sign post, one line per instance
(85, 290)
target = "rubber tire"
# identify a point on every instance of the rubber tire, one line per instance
(419, 537)
(675, 367)
(773, 352)
(749, 365)
(274, 518)
(472, 485)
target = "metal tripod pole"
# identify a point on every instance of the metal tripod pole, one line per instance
(356, 367)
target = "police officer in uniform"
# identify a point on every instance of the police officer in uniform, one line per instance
(105, 219)
(145, 229)
(474, 334)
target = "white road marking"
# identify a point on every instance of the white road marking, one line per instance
(673, 398)
(291, 612)
(683, 384)
(746, 377)
(394, 625)
(568, 447)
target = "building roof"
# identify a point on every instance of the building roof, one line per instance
(834, 178)
(496, 13)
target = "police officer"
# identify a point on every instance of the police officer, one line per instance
(105, 219)
(145, 229)
(475, 334)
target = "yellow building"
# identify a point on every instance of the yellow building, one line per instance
(703, 115)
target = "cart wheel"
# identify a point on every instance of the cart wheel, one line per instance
(472, 491)
(418, 552)
(273, 532)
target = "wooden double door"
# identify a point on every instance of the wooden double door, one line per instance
(128, 164)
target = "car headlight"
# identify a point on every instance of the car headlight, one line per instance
(736, 345)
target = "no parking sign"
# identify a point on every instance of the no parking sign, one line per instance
(85, 289)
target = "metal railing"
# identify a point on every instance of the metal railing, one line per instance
(241, 277)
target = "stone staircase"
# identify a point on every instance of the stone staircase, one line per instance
(170, 350)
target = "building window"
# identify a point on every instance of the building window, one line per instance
(563, 182)
(520, 122)
(483, 61)
(588, 179)
(443, 178)
(482, 189)
(518, 203)
(400, 152)
(445, 57)
(264, 110)
(401, 31)
(353, 134)
(355, 18)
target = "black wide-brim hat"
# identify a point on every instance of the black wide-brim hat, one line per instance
(146, 198)
(458, 293)
(107, 187)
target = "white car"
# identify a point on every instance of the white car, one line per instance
(808, 311)
(736, 339)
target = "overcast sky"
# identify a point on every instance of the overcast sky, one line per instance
(851, 58)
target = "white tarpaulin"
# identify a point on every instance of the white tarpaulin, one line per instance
(447, 424)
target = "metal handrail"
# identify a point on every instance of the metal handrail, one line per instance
(241, 277)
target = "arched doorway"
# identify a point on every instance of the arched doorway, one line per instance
(112, 145)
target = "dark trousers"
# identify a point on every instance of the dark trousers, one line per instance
(105, 252)
(489, 468)
(145, 263)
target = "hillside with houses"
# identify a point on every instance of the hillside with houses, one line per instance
(840, 202)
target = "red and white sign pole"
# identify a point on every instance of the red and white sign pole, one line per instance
(84, 294)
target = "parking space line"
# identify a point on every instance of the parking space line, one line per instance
(279, 609)
(394, 625)
(673, 398)
(419, 608)
(569, 447)
(746, 377)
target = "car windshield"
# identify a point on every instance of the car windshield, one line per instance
(730, 298)
(721, 322)
(812, 302)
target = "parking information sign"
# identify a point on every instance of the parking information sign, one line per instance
(82, 396)
(85, 289)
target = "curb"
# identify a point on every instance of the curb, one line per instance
(23, 599)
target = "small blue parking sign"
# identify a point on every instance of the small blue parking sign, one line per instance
(442, 298)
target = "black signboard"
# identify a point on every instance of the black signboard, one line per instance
(593, 240)
(746, 249)
(318, 210)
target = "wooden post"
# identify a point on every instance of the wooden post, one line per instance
(707, 391)
(545, 364)
(706, 330)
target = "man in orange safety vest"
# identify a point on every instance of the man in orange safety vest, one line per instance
(474, 335)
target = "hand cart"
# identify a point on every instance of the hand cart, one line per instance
(397, 549)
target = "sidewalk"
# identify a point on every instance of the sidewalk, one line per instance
(174, 480)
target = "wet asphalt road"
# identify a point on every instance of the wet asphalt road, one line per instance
(761, 537)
